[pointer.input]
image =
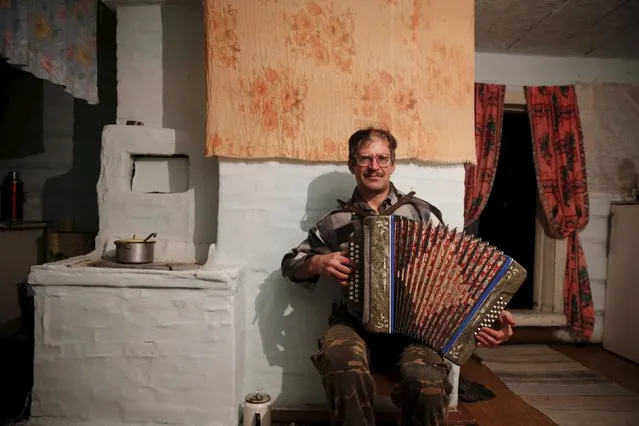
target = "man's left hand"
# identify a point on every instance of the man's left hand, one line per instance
(489, 337)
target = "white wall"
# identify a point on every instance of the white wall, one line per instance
(264, 208)
(161, 83)
(520, 70)
(517, 71)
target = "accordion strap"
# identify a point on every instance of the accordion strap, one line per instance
(402, 200)
(354, 209)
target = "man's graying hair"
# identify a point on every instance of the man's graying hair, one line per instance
(365, 135)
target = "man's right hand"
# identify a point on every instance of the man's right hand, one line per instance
(334, 265)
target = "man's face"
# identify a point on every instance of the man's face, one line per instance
(373, 166)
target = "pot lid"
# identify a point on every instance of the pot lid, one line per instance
(136, 240)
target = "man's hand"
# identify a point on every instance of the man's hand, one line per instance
(334, 265)
(489, 337)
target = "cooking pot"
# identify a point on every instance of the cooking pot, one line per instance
(135, 250)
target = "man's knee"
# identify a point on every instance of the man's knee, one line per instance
(429, 369)
(432, 378)
(436, 388)
(341, 350)
(342, 358)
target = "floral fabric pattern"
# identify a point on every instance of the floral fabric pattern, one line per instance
(54, 40)
(223, 29)
(489, 117)
(294, 80)
(560, 162)
(322, 35)
(277, 100)
(388, 100)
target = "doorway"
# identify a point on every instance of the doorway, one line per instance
(508, 220)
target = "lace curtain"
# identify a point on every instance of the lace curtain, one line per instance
(54, 40)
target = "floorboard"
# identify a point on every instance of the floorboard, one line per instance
(506, 408)
(606, 363)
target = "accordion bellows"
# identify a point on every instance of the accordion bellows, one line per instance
(436, 285)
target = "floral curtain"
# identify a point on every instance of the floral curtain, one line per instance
(561, 179)
(54, 40)
(293, 79)
(489, 116)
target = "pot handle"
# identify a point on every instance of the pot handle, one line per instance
(258, 420)
(151, 235)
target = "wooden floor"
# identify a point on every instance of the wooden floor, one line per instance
(615, 368)
(508, 409)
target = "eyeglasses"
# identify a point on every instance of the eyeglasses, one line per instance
(383, 160)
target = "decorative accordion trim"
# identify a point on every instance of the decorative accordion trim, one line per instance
(428, 282)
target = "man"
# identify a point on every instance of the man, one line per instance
(347, 353)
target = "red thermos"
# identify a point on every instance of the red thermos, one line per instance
(12, 199)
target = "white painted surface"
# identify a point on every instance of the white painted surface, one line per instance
(520, 70)
(621, 337)
(161, 64)
(139, 38)
(184, 221)
(160, 174)
(593, 241)
(264, 208)
(137, 347)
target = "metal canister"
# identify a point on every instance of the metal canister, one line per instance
(257, 409)
(12, 197)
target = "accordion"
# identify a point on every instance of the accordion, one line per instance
(425, 281)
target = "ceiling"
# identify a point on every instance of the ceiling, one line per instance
(590, 28)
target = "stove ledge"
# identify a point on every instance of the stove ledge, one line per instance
(77, 272)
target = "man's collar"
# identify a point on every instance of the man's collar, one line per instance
(392, 198)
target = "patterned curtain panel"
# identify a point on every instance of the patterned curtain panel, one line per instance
(54, 40)
(489, 117)
(561, 178)
(293, 79)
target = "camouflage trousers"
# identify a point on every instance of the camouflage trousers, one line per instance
(347, 355)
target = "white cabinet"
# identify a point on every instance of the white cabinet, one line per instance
(621, 317)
